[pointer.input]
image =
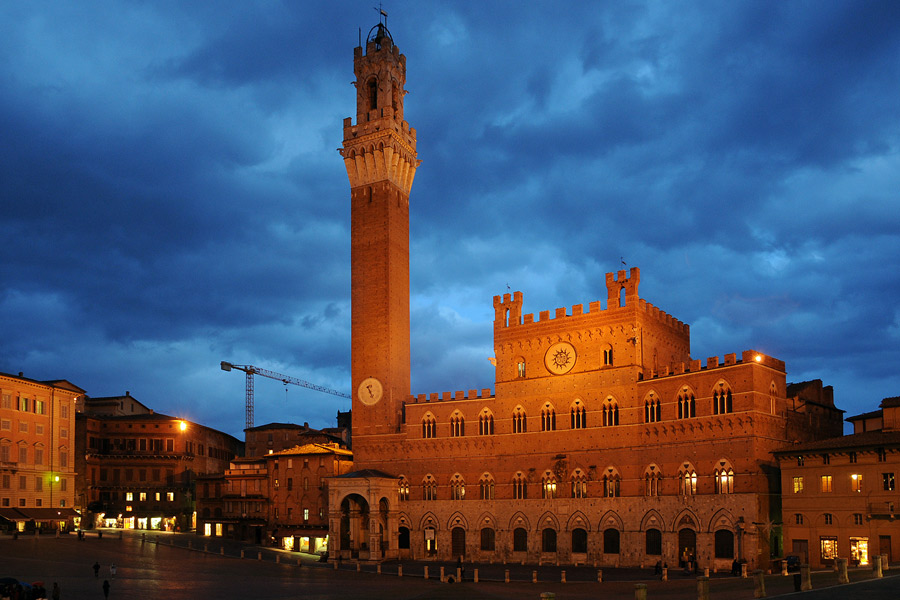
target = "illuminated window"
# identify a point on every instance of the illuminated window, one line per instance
(888, 481)
(170, 496)
(428, 426)
(143, 496)
(518, 420)
(404, 489)
(207, 529)
(688, 479)
(158, 496)
(457, 488)
(724, 481)
(798, 485)
(578, 415)
(548, 486)
(520, 368)
(129, 496)
(826, 483)
(39, 407)
(799, 461)
(306, 514)
(579, 484)
(127, 508)
(548, 418)
(610, 413)
(457, 425)
(856, 482)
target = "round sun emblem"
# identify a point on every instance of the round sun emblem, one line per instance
(560, 358)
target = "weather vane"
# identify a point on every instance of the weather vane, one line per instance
(382, 13)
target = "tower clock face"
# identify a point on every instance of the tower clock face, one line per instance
(560, 358)
(369, 391)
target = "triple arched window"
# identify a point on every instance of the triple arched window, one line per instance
(579, 484)
(610, 413)
(518, 420)
(652, 409)
(485, 423)
(578, 415)
(611, 483)
(687, 405)
(548, 418)
(457, 488)
(457, 425)
(520, 487)
(548, 486)
(724, 474)
(486, 487)
(722, 403)
(429, 425)
(429, 488)
(687, 479)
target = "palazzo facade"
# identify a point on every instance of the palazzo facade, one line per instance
(603, 442)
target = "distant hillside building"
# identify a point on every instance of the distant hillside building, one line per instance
(604, 440)
(137, 468)
(841, 494)
(37, 453)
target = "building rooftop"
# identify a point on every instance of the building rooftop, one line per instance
(312, 449)
(856, 441)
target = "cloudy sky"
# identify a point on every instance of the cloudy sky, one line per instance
(171, 197)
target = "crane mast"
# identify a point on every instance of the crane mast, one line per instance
(251, 370)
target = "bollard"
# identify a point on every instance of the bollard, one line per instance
(399, 570)
(299, 562)
(242, 555)
(259, 556)
(334, 562)
(548, 596)
(534, 576)
(222, 550)
(358, 566)
(706, 572)
(703, 588)
(885, 566)
(599, 575)
(476, 576)
(665, 574)
(876, 566)
(190, 545)
(426, 572)
(378, 569)
(640, 591)
(743, 570)
(459, 574)
(784, 567)
(442, 574)
(205, 547)
(842, 570)
(805, 581)
(759, 578)
(506, 576)
(562, 578)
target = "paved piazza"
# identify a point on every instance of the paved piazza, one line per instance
(168, 570)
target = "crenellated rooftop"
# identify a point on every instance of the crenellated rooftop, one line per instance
(450, 396)
(713, 362)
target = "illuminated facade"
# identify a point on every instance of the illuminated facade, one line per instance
(139, 469)
(604, 441)
(37, 452)
(841, 497)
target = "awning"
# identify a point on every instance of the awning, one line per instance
(37, 514)
(12, 514)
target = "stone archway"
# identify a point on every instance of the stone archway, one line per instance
(354, 525)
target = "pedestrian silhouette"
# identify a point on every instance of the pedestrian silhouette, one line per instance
(106, 588)
(112, 570)
(96, 569)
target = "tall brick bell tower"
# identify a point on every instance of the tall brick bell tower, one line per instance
(379, 152)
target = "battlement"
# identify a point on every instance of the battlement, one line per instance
(450, 396)
(713, 362)
(374, 121)
(508, 308)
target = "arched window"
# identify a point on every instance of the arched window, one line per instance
(548, 540)
(518, 420)
(428, 426)
(548, 418)
(457, 425)
(722, 402)
(610, 413)
(724, 543)
(724, 474)
(373, 93)
(652, 410)
(403, 489)
(579, 541)
(488, 539)
(457, 488)
(486, 487)
(578, 415)
(520, 487)
(579, 484)
(611, 487)
(548, 486)
(520, 539)
(486, 423)
(652, 477)
(429, 488)
(653, 542)
(687, 478)
(403, 538)
(520, 367)
(773, 398)
(611, 541)
(607, 356)
(687, 405)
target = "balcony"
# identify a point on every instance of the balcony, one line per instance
(881, 510)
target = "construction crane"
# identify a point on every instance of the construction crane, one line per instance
(250, 370)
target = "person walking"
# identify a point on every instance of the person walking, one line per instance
(106, 588)
(96, 569)
(55, 593)
(112, 570)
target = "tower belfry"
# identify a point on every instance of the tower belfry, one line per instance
(379, 152)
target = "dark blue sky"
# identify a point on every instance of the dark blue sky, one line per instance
(170, 193)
